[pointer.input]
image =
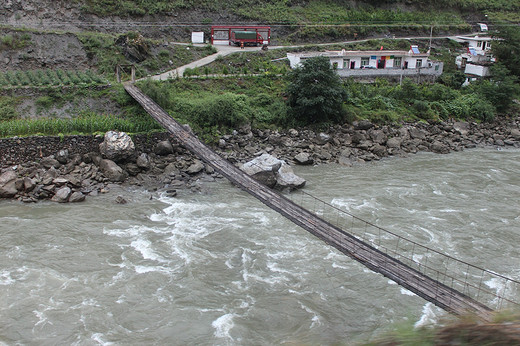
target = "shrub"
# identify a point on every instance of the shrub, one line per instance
(7, 109)
(316, 93)
(470, 106)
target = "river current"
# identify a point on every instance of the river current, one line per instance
(219, 268)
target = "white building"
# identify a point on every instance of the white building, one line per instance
(375, 63)
(477, 60)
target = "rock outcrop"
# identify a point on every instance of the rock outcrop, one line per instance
(273, 173)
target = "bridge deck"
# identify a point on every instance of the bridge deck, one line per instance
(439, 294)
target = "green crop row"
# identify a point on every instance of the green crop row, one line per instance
(87, 124)
(50, 78)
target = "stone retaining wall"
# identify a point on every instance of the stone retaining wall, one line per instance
(18, 150)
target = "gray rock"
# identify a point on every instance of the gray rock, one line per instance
(515, 133)
(171, 169)
(132, 169)
(62, 156)
(29, 184)
(394, 142)
(60, 181)
(404, 133)
(50, 162)
(18, 184)
(143, 161)
(322, 138)
(285, 178)
(304, 159)
(62, 195)
(439, 148)
(358, 137)
(111, 170)
(461, 127)
(267, 169)
(76, 197)
(416, 133)
(379, 150)
(8, 184)
(164, 148)
(293, 133)
(195, 168)
(378, 136)
(117, 146)
(363, 125)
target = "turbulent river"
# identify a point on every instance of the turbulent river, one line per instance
(219, 268)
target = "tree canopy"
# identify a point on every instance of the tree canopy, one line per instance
(316, 93)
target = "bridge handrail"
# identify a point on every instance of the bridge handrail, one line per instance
(409, 240)
(454, 279)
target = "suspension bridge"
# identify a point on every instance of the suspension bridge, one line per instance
(453, 285)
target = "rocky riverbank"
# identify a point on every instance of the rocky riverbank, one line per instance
(72, 168)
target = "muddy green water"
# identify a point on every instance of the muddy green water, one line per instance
(219, 268)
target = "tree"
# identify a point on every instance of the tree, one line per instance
(316, 94)
(500, 90)
(507, 48)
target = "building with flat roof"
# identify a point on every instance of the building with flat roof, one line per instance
(377, 63)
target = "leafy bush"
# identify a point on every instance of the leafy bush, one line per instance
(470, 106)
(227, 110)
(7, 109)
(316, 93)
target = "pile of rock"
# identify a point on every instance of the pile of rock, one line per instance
(364, 141)
(65, 177)
(70, 178)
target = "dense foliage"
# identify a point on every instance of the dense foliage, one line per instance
(220, 105)
(315, 92)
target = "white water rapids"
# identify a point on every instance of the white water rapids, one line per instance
(220, 268)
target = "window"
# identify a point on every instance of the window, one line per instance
(419, 63)
(398, 62)
(346, 63)
(365, 61)
(335, 65)
(479, 44)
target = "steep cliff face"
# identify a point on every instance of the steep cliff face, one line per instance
(34, 12)
(36, 50)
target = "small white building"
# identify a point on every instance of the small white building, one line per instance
(477, 60)
(197, 37)
(375, 63)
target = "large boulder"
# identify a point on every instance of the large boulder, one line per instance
(62, 195)
(8, 184)
(273, 172)
(117, 146)
(164, 148)
(112, 171)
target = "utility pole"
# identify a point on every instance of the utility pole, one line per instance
(431, 34)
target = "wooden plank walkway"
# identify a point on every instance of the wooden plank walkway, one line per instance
(439, 294)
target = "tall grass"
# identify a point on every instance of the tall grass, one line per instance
(87, 124)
